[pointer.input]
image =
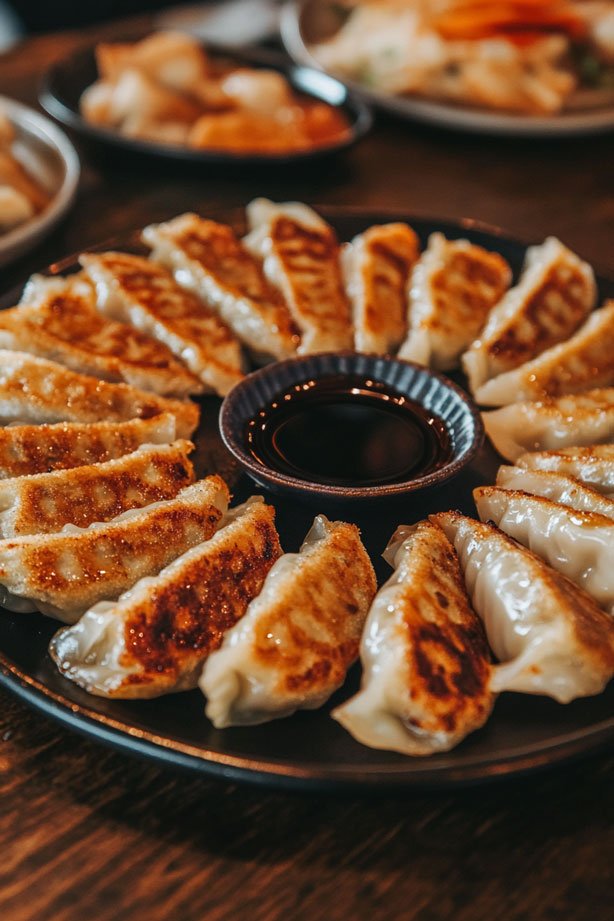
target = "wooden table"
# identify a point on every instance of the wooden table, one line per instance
(90, 834)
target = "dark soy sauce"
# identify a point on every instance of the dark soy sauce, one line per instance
(345, 430)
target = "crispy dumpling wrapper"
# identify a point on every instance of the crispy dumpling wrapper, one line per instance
(549, 636)
(584, 362)
(300, 255)
(551, 423)
(426, 662)
(174, 59)
(453, 287)
(43, 503)
(592, 465)
(137, 291)
(57, 319)
(553, 297)
(579, 544)
(376, 266)
(155, 638)
(556, 486)
(294, 645)
(36, 390)
(209, 259)
(64, 574)
(30, 449)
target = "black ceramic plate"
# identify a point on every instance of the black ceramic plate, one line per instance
(310, 750)
(68, 78)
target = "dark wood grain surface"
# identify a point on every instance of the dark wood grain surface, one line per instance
(87, 833)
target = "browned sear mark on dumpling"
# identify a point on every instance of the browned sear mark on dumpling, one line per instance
(448, 659)
(186, 620)
(555, 308)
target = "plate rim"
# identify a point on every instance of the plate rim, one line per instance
(444, 115)
(406, 775)
(310, 777)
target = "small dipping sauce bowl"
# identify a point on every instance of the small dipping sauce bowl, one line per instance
(343, 427)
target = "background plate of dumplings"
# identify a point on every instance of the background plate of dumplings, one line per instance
(310, 750)
(305, 23)
(52, 162)
(66, 81)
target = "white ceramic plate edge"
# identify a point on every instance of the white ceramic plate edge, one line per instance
(21, 238)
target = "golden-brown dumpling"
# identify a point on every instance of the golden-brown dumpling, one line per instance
(299, 636)
(155, 638)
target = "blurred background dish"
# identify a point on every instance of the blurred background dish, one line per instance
(563, 87)
(67, 81)
(39, 175)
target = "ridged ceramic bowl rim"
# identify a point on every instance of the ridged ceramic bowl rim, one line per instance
(256, 390)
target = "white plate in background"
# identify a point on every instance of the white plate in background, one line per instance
(303, 23)
(50, 158)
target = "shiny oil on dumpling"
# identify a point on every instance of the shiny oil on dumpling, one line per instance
(66, 573)
(29, 449)
(300, 255)
(426, 662)
(376, 266)
(294, 645)
(584, 362)
(210, 260)
(57, 319)
(36, 390)
(555, 293)
(155, 638)
(549, 636)
(592, 464)
(452, 289)
(557, 487)
(579, 544)
(44, 502)
(137, 291)
(551, 423)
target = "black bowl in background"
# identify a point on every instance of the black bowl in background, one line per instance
(432, 391)
(66, 80)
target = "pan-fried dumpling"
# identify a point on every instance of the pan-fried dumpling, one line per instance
(558, 488)
(57, 319)
(294, 645)
(552, 423)
(300, 256)
(549, 636)
(593, 465)
(155, 638)
(36, 390)
(173, 59)
(210, 260)
(453, 287)
(28, 449)
(426, 662)
(376, 267)
(553, 297)
(583, 362)
(64, 574)
(135, 290)
(579, 544)
(45, 502)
